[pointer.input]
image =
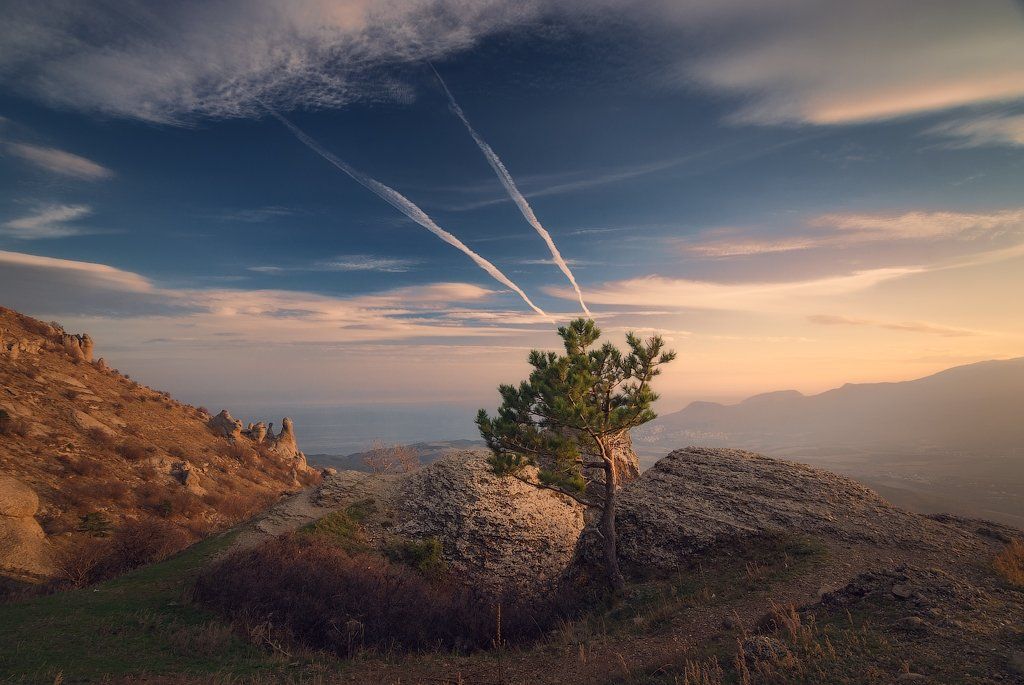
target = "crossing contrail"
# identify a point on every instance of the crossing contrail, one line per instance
(506, 180)
(407, 207)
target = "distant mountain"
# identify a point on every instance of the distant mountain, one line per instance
(972, 409)
(428, 453)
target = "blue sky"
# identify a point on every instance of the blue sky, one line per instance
(796, 193)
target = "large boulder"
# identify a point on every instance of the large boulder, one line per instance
(226, 425)
(24, 551)
(699, 498)
(496, 531)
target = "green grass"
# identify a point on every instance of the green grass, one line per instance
(344, 527)
(141, 623)
(650, 607)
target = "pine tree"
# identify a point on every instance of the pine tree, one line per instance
(571, 411)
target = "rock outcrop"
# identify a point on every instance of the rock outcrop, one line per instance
(496, 532)
(77, 346)
(226, 425)
(24, 552)
(699, 498)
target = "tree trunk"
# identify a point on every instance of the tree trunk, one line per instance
(607, 526)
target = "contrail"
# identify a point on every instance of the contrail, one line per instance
(407, 207)
(506, 180)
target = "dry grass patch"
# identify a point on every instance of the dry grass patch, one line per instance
(1009, 563)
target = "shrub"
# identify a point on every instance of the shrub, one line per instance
(141, 542)
(84, 466)
(133, 544)
(11, 426)
(235, 507)
(168, 500)
(96, 523)
(100, 436)
(422, 555)
(176, 452)
(338, 528)
(132, 451)
(322, 597)
(1009, 563)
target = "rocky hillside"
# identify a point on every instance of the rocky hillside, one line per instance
(84, 450)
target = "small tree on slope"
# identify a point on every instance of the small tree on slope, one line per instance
(571, 411)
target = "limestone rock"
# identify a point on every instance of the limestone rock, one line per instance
(224, 424)
(24, 552)
(17, 500)
(699, 498)
(496, 532)
(77, 346)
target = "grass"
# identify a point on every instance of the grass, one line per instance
(138, 624)
(343, 527)
(650, 607)
(1009, 563)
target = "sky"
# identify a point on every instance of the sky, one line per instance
(238, 198)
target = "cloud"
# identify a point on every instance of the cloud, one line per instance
(257, 215)
(909, 326)
(345, 263)
(59, 287)
(839, 230)
(835, 62)
(51, 221)
(171, 62)
(59, 161)
(983, 131)
(679, 293)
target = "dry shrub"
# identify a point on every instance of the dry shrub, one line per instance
(76, 566)
(100, 437)
(1009, 563)
(240, 453)
(11, 426)
(132, 451)
(84, 466)
(235, 507)
(176, 452)
(134, 544)
(322, 597)
(113, 490)
(168, 500)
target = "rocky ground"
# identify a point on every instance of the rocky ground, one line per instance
(743, 567)
(83, 449)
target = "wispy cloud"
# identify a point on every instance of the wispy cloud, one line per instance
(846, 229)
(680, 293)
(808, 61)
(983, 131)
(346, 263)
(51, 221)
(266, 316)
(59, 161)
(908, 326)
(255, 215)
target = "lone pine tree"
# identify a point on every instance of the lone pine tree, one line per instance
(569, 414)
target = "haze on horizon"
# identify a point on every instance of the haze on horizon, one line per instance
(796, 194)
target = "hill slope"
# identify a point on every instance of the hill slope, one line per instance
(975, 409)
(86, 450)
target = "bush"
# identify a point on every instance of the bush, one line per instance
(132, 451)
(422, 555)
(100, 436)
(11, 426)
(95, 523)
(323, 597)
(236, 507)
(134, 544)
(84, 466)
(168, 500)
(1009, 563)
